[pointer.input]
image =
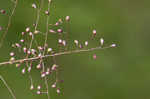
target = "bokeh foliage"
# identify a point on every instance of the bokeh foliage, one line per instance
(119, 73)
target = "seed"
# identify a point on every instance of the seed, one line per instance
(64, 42)
(34, 5)
(54, 67)
(30, 33)
(25, 49)
(86, 43)
(40, 48)
(22, 40)
(59, 30)
(27, 29)
(38, 92)
(102, 41)
(58, 90)
(36, 32)
(12, 59)
(76, 42)
(80, 46)
(53, 85)
(18, 45)
(57, 23)
(113, 45)
(52, 31)
(38, 66)
(67, 18)
(94, 56)
(23, 71)
(94, 32)
(43, 74)
(12, 54)
(17, 65)
(49, 49)
(2, 11)
(46, 12)
(60, 41)
(22, 33)
(29, 69)
(39, 87)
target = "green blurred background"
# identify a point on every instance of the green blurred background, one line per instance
(118, 73)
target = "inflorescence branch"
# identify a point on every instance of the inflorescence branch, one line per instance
(56, 54)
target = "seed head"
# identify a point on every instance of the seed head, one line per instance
(94, 56)
(58, 90)
(86, 43)
(2, 11)
(60, 41)
(40, 48)
(101, 41)
(30, 33)
(113, 45)
(22, 33)
(33, 51)
(64, 42)
(76, 42)
(59, 30)
(57, 23)
(38, 66)
(47, 73)
(27, 29)
(38, 92)
(54, 67)
(67, 18)
(23, 71)
(80, 46)
(29, 69)
(49, 49)
(43, 74)
(39, 87)
(46, 12)
(34, 5)
(18, 45)
(22, 40)
(12, 59)
(52, 31)
(36, 32)
(94, 32)
(53, 85)
(25, 50)
(12, 54)
(17, 65)
(29, 52)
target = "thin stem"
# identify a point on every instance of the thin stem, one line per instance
(46, 83)
(9, 89)
(55, 54)
(9, 23)
(36, 24)
(47, 24)
(46, 37)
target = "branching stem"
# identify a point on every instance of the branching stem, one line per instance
(55, 54)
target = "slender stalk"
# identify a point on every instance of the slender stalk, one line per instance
(55, 54)
(9, 89)
(46, 37)
(9, 24)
